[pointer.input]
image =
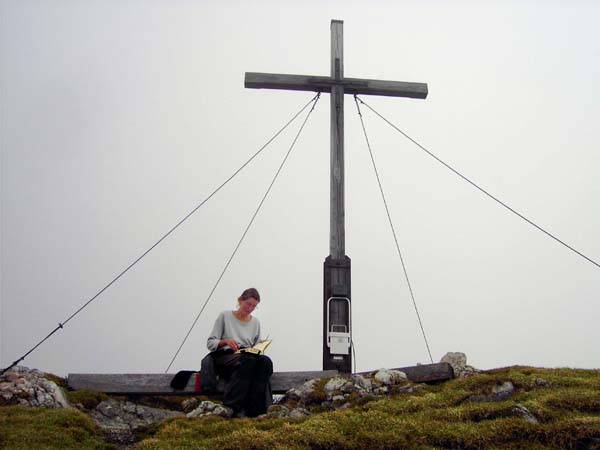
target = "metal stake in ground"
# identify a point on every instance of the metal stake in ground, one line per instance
(336, 282)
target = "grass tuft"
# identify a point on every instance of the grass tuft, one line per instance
(23, 428)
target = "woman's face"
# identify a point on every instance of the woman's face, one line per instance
(248, 305)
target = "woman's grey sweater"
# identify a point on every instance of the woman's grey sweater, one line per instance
(227, 326)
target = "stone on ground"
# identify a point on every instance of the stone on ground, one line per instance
(30, 387)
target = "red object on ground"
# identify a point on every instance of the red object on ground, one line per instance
(197, 383)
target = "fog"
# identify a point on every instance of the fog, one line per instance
(119, 118)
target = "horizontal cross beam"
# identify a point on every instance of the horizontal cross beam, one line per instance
(256, 80)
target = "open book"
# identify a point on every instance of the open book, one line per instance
(258, 349)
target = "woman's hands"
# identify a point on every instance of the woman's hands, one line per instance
(233, 345)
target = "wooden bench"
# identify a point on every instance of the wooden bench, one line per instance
(158, 384)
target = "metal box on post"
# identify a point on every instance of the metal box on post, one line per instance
(339, 335)
(337, 325)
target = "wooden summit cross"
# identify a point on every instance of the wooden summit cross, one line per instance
(336, 290)
(336, 282)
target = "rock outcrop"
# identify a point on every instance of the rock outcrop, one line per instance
(389, 377)
(30, 387)
(458, 361)
(120, 420)
(498, 393)
(121, 415)
(208, 408)
(339, 392)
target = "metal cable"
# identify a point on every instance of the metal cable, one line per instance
(387, 211)
(60, 325)
(472, 183)
(353, 355)
(315, 100)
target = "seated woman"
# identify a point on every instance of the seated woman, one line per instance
(248, 376)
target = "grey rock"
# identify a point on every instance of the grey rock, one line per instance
(278, 411)
(503, 391)
(22, 386)
(222, 411)
(303, 392)
(118, 416)
(338, 398)
(58, 396)
(387, 377)
(106, 409)
(335, 384)
(350, 387)
(541, 382)
(298, 413)
(380, 390)
(499, 392)
(364, 384)
(520, 410)
(458, 361)
(208, 408)
(132, 408)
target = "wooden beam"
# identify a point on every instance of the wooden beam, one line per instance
(256, 80)
(426, 373)
(158, 384)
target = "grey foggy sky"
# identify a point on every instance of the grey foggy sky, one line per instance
(117, 118)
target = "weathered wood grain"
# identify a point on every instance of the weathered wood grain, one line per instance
(337, 234)
(257, 80)
(426, 373)
(158, 384)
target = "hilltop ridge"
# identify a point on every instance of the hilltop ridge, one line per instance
(516, 407)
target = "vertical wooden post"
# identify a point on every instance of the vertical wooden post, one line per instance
(336, 269)
(336, 221)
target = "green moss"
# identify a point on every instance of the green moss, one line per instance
(361, 401)
(42, 428)
(573, 399)
(434, 417)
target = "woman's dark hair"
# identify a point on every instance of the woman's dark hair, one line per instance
(250, 293)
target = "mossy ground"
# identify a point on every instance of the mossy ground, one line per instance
(24, 428)
(435, 417)
(566, 403)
